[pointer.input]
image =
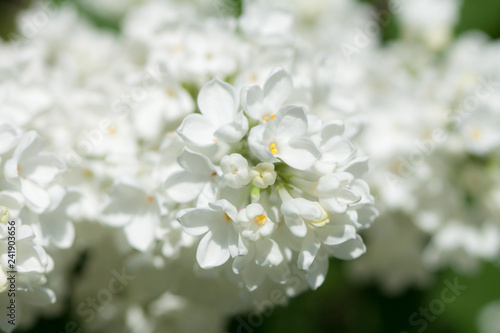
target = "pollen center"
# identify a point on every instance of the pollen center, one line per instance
(150, 198)
(476, 133)
(266, 118)
(261, 219)
(273, 149)
(171, 93)
(228, 219)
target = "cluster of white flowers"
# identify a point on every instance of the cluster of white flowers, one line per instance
(199, 162)
(285, 194)
(435, 142)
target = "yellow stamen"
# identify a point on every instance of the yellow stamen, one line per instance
(476, 133)
(88, 174)
(273, 149)
(253, 78)
(171, 93)
(150, 198)
(266, 118)
(112, 129)
(228, 219)
(261, 219)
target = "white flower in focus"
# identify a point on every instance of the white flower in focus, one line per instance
(264, 259)
(262, 104)
(335, 192)
(263, 175)
(219, 118)
(221, 239)
(235, 170)
(284, 139)
(254, 222)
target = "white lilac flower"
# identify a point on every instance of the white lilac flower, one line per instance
(235, 170)
(275, 175)
(262, 104)
(263, 175)
(220, 240)
(199, 176)
(284, 139)
(219, 118)
(30, 170)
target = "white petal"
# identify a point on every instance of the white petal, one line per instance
(197, 130)
(290, 122)
(37, 199)
(236, 245)
(358, 167)
(30, 145)
(240, 262)
(217, 101)
(277, 88)
(268, 253)
(299, 154)
(349, 250)
(122, 205)
(258, 145)
(197, 221)
(213, 248)
(308, 251)
(233, 131)
(59, 229)
(336, 234)
(251, 101)
(42, 168)
(9, 137)
(253, 277)
(316, 276)
(184, 186)
(140, 232)
(195, 162)
(293, 219)
(332, 129)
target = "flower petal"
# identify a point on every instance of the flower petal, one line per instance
(218, 102)
(140, 232)
(213, 248)
(308, 251)
(197, 130)
(336, 234)
(277, 89)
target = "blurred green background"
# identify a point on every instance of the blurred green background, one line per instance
(339, 305)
